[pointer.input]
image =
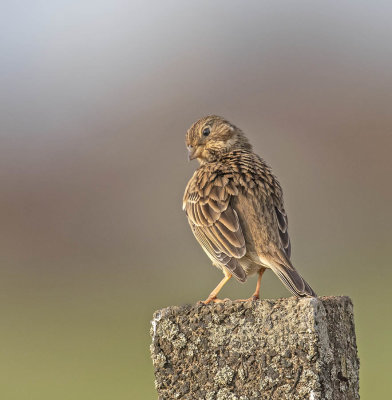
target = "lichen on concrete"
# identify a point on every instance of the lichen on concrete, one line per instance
(269, 349)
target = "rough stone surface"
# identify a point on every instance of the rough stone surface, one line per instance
(268, 349)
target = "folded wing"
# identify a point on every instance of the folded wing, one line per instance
(215, 223)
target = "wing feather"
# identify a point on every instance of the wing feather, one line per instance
(282, 223)
(214, 222)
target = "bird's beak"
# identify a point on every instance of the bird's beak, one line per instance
(191, 153)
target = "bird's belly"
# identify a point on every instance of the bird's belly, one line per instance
(251, 263)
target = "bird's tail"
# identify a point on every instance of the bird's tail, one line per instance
(292, 280)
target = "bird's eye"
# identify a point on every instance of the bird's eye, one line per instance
(206, 131)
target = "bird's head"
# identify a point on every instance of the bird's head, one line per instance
(211, 137)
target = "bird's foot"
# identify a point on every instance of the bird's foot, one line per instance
(212, 300)
(253, 298)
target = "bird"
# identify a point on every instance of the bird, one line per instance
(234, 205)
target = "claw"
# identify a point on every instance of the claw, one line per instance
(212, 299)
(253, 298)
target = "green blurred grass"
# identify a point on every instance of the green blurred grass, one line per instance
(90, 338)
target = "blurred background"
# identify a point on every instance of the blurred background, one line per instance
(96, 97)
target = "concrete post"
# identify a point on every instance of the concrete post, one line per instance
(268, 349)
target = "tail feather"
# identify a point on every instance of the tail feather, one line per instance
(293, 280)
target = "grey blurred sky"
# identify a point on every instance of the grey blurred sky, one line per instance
(97, 95)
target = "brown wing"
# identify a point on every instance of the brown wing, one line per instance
(281, 264)
(214, 222)
(261, 212)
(281, 218)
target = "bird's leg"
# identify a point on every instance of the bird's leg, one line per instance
(256, 294)
(214, 293)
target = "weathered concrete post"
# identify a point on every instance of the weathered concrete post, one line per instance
(269, 349)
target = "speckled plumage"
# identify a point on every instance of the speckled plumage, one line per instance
(235, 206)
